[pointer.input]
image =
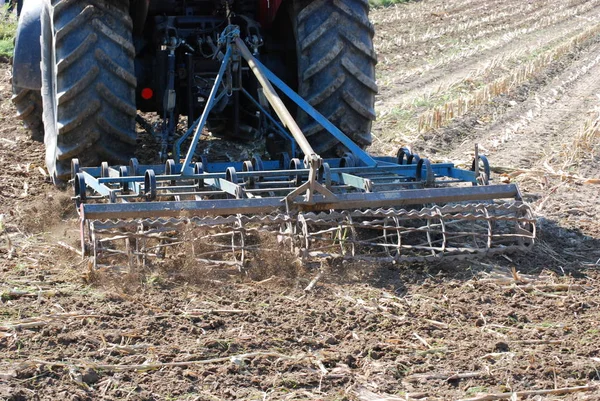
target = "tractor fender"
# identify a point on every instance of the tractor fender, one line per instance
(28, 52)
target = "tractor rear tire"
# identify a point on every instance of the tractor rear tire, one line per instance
(28, 103)
(88, 83)
(336, 67)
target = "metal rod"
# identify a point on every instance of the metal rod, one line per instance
(275, 100)
(192, 129)
(348, 201)
(187, 164)
(275, 122)
(237, 83)
(359, 153)
(190, 83)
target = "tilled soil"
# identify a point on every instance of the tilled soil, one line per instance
(438, 331)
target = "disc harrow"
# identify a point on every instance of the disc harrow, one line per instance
(357, 206)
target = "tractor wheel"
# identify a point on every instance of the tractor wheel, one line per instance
(28, 103)
(336, 67)
(88, 83)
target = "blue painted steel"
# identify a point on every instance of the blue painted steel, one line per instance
(187, 164)
(94, 184)
(360, 154)
(353, 180)
(385, 160)
(137, 187)
(273, 169)
(464, 175)
(403, 169)
(352, 185)
(349, 201)
(230, 187)
(177, 145)
(93, 171)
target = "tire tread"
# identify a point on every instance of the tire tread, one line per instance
(95, 82)
(336, 63)
(28, 103)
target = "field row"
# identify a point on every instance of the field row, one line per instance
(442, 88)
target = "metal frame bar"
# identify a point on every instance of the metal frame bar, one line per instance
(187, 164)
(324, 185)
(359, 153)
(349, 201)
(345, 175)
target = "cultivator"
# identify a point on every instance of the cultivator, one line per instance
(357, 206)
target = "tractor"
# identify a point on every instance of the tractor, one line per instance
(84, 69)
(296, 74)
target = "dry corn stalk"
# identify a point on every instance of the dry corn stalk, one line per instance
(440, 116)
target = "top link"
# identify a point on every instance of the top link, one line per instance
(229, 34)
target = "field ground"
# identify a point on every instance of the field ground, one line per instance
(522, 79)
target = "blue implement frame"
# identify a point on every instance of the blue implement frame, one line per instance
(200, 187)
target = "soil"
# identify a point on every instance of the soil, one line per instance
(436, 331)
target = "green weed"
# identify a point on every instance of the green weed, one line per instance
(8, 29)
(476, 390)
(289, 383)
